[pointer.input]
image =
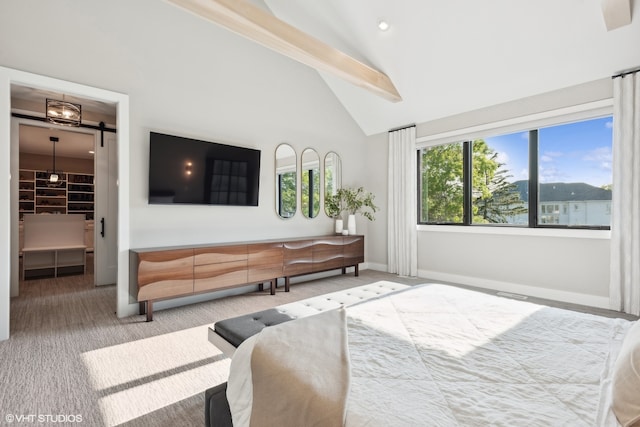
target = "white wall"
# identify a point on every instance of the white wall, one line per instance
(188, 77)
(563, 265)
(572, 269)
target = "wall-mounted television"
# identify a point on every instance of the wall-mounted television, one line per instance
(190, 171)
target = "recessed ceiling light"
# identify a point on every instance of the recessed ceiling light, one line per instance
(92, 152)
(383, 25)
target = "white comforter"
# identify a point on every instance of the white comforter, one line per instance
(436, 355)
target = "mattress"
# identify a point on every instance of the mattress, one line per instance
(438, 355)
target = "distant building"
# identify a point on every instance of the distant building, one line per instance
(575, 203)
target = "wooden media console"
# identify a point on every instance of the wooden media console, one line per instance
(164, 273)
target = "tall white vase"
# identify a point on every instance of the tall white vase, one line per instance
(351, 224)
(339, 225)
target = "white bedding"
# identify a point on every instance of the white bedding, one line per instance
(436, 355)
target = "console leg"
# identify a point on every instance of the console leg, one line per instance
(344, 270)
(357, 270)
(143, 308)
(286, 284)
(261, 287)
(149, 311)
(273, 286)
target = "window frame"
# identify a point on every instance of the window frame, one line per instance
(531, 124)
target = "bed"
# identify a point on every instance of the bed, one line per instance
(438, 355)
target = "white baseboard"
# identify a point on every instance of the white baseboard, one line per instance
(534, 291)
(376, 266)
(129, 310)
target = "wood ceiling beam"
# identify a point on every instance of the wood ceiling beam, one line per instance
(617, 13)
(254, 23)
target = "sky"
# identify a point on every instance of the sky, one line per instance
(574, 152)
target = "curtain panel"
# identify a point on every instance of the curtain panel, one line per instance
(402, 253)
(624, 292)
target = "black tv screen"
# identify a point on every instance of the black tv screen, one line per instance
(190, 171)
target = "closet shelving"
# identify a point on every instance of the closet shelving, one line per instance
(26, 189)
(51, 199)
(80, 194)
(73, 193)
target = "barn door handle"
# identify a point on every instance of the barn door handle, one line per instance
(102, 227)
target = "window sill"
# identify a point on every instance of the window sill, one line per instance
(518, 231)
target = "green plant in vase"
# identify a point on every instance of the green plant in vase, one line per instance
(357, 200)
(333, 209)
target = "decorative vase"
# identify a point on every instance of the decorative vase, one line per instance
(351, 224)
(339, 225)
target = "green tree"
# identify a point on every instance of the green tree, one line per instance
(310, 190)
(494, 199)
(329, 185)
(287, 206)
(442, 192)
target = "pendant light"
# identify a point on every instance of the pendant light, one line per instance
(63, 112)
(54, 175)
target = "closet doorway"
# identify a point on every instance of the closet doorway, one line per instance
(86, 163)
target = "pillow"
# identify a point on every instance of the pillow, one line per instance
(626, 380)
(299, 364)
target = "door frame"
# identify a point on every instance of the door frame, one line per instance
(9, 170)
(16, 122)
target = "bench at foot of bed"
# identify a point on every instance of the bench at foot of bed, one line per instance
(230, 333)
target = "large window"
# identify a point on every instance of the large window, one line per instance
(563, 171)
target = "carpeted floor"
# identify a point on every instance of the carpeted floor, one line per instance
(70, 358)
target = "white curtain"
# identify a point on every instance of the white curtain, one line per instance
(402, 236)
(624, 291)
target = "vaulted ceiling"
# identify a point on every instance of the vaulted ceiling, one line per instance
(454, 56)
(449, 57)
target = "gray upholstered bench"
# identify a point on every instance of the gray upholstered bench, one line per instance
(230, 333)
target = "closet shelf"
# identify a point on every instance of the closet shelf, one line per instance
(36, 196)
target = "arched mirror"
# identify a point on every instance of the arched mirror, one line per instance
(286, 184)
(332, 176)
(310, 183)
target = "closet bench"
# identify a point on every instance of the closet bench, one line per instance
(53, 241)
(46, 257)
